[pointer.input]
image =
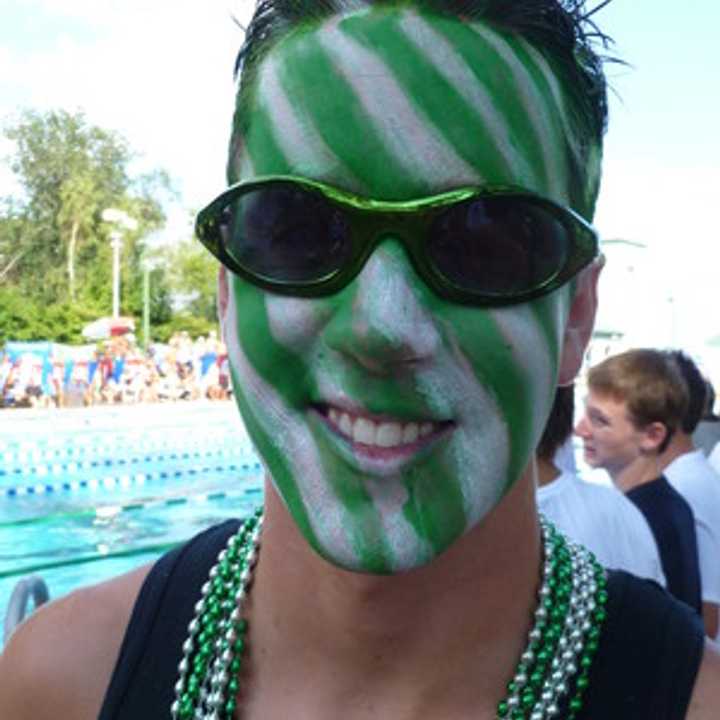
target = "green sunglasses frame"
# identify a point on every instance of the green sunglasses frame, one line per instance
(373, 221)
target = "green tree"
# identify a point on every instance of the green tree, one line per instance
(54, 244)
(192, 276)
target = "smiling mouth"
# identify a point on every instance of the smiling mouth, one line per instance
(381, 433)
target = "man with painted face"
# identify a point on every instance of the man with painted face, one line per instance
(408, 273)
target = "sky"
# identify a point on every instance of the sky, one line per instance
(160, 73)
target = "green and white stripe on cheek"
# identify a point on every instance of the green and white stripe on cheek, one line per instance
(285, 442)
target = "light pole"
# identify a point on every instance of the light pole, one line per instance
(148, 265)
(124, 221)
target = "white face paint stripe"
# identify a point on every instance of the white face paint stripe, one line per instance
(295, 322)
(481, 438)
(450, 64)
(420, 150)
(293, 439)
(395, 311)
(559, 97)
(300, 143)
(536, 109)
(389, 497)
(244, 165)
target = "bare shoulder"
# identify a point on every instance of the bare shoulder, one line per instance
(58, 663)
(706, 695)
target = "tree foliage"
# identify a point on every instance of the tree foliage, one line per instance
(54, 244)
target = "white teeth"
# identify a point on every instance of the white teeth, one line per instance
(389, 435)
(384, 434)
(410, 433)
(364, 432)
(346, 425)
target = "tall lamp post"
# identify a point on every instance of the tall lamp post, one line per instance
(148, 265)
(122, 221)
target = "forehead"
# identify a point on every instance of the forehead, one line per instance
(606, 405)
(395, 103)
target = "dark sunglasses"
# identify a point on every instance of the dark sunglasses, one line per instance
(473, 245)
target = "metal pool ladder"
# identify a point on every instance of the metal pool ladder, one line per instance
(31, 586)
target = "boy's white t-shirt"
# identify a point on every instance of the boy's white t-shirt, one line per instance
(604, 521)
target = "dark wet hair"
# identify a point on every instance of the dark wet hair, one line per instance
(697, 390)
(559, 425)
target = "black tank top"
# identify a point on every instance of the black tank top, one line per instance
(645, 667)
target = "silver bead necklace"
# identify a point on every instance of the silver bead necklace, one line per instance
(554, 666)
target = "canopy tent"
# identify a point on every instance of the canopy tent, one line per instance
(106, 327)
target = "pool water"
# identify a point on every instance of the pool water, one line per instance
(86, 494)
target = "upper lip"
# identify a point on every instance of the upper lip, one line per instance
(377, 417)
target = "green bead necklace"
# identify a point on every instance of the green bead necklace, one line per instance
(555, 664)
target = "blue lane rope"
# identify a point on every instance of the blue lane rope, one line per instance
(123, 481)
(56, 468)
(50, 453)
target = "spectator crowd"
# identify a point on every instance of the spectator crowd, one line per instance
(116, 371)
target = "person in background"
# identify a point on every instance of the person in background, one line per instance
(707, 432)
(689, 472)
(408, 274)
(600, 518)
(636, 402)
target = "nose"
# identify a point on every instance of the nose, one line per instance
(383, 323)
(582, 429)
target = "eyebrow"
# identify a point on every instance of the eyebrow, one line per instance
(596, 413)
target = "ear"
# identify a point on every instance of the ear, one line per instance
(223, 297)
(581, 320)
(653, 436)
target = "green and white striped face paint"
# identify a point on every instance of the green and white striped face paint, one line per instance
(392, 421)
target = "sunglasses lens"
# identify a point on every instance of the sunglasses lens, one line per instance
(286, 234)
(498, 246)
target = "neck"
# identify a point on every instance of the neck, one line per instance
(472, 607)
(547, 472)
(642, 470)
(681, 444)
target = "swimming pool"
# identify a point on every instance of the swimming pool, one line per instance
(86, 494)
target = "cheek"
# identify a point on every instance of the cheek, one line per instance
(273, 338)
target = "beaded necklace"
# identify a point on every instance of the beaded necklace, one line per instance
(555, 664)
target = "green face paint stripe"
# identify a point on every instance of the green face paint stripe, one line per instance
(545, 313)
(435, 510)
(299, 141)
(416, 146)
(282, 474)
(562, 103)
(499, 86)
(260, 144)
(388, 42)
(367, 536)
(446, 59)
(343, 121)
(557, 116)
(501, 375)
(536, 107)
(254, 337)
